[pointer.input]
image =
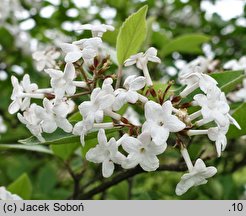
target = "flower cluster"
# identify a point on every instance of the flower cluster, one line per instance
(46, 58)
(141, 142)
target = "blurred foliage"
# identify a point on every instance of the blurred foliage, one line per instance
(177, 29)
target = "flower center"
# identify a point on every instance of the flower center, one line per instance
(142, 150)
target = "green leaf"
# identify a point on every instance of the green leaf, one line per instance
(64, 151)
(228, 80)
(160, 38)
(7, 40)
(240, 115)
(148, 38)
(131, 35)
(59, 137)
(63, 144)
(118, 192)
(36, 148)
(47, 179)
(111, 37)
(22, 187)
(76, 117)
(223, 78)
(189, 43)
(230, 86)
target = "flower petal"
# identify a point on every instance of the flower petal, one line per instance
(64, 124)
(132, 96)
(131, 144)
(102, 139)
(153, 111)
(69, 72)
(138, 83)
(14, 107)
(149, 163)
(174, 124)
(73, 56)
(107, 168)
(131, 161)
(159, 135)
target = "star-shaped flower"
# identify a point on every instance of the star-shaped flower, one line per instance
(45, 58)
(160, 121)
(218, 135)
(51, 118)
(214, 106)
(32, 122)
(132, 84)
(141, 60)
(197, 176)
(62, 82)
(97, 30)
(101, 100)
(85, 48)
(22, 94)
(196, 79)
(142, 151)
(105, 152)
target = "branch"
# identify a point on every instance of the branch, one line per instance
(127, 174)
(119, 76)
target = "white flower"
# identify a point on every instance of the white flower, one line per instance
(83, 127)
(105, 152)
(142, 151)
(63, 107)
(197, 176)
(100, 101)
(85, 48)
(141, 60)
(6, 195)
(3, 127)
(205, 64)
(63, 82)
(194, 79)
(213, 106)
(46, 58)
(32, 122)
(236, 65)
(241, 93)
(218, 135)
(160, 121)
(97, 30)
(22, 94)
(132, 84)
(86, 125)
(52, 117)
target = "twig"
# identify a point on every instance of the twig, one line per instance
(79, 94)
(130, 185)
(128, 174)
(76, 179)
(119, 76)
